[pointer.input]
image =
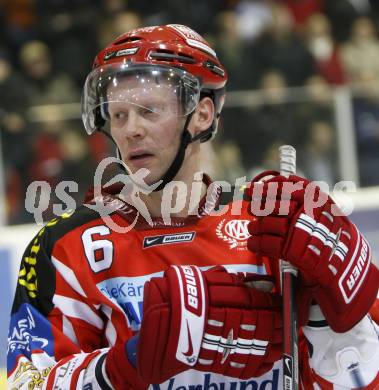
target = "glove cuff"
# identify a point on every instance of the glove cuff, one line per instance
(120, 371)
(345, 320)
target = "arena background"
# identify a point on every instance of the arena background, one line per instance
(304, 72)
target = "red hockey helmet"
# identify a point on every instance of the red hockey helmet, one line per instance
(171, 45)
(174, 52)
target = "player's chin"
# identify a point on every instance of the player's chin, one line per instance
(154, 173)
(153, 178)
(135, 167)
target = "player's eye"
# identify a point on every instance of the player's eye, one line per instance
(118, 117)
(152, 110)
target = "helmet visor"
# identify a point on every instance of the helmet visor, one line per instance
(110, 91)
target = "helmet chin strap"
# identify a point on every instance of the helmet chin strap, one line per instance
(179, 158)
(187, 139)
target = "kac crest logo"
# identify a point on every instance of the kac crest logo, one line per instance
(234, 232)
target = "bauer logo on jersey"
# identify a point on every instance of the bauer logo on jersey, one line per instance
(165, 239)
(234, 232)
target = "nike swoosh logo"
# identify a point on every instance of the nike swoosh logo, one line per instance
(227, 350)
(148, 242)
(108, 55)
(335, 243)
(190, 346)
(288, 364)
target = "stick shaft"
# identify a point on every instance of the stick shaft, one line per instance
(288, 279)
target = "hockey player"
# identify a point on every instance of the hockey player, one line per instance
(179, 303)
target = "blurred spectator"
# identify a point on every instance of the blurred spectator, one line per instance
(274, 87)
(46, 161)
(318, 155)
(272, 120)
(375, 8)
(231, 49)
(269, 159)
(302, 10)
(111, 8)
(12, 88)
(341, 14)
(14, 139)
(44, 84)
(196, 13)
(100, 147)
(361, 52)
(78, 164)
(229, 165)
(116, 24)
(363, 7)
(19, 13)
(282, 49)
(366, 119)
(317, 105)
(61, 24)
(319, 91)
(253, 16)
(324, 50)
(20, 22)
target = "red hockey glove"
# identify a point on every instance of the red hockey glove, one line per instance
(121, 371)
(305, 227)
(209, 321)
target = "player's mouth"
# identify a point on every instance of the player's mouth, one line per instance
(140, 159)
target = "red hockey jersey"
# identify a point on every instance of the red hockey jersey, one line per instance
(80, 291)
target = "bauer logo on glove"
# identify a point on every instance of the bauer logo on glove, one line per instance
(211, 321)
(333, 258)
(192, 308)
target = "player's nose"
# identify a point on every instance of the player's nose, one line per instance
(133, 127)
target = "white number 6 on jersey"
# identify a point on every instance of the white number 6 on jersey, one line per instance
(99, 253)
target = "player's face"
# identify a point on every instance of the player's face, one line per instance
(146, 125)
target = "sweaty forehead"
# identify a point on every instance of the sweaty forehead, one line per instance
(141, 86)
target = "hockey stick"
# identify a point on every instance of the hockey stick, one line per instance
(287, 155)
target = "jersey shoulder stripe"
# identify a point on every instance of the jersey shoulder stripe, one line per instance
(67, 222)
(36, 278)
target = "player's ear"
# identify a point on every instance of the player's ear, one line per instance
(203, 116)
